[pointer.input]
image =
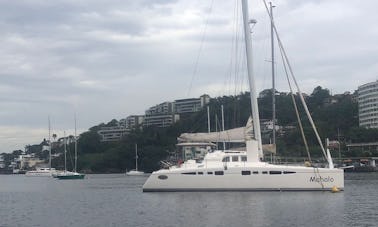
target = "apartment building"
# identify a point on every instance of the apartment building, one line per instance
(161, 120)
(132, 122)
(190, 105)
(160, 109)
(368, 105)
(112, 133)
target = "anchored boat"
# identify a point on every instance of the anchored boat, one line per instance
(232, 170)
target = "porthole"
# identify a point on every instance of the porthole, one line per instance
(163, 177)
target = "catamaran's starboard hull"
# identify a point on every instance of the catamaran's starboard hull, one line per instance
(246, 179)
(71, 177)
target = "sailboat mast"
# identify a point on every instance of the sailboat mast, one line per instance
(252, 87)
(65, 152)
(273, 76)
(208, 119)
(224, 142)
(136, 157)
(49, 143)
(75, 170)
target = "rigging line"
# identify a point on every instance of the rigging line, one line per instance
(296, 108)
(240, 65)
(296, 84)
(236, 41)
(197, 125)
(200, 48)
(228, 75)
(237, 60)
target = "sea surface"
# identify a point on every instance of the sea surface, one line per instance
(118, 200)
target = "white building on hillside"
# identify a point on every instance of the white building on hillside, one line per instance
(133, 121)
(112, 133)
(368, 105)
(190, 105)
(161, 121)
(162, 108)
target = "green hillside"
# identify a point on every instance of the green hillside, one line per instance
(336, 117)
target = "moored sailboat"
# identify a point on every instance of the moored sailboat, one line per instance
(231, 170)
(135, 172)
(74, 175)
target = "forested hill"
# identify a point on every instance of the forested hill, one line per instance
(336, 117)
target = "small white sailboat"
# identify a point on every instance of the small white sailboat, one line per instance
(135, 172)
(233, 170)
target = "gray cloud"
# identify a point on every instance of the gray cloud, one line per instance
(109, 59)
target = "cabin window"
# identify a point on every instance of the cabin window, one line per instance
(163, 177)
(219, 173)
(264, 172)
(243, 158)
(210, 173)
(235, 158)
(226, 159)
(189, 173)
(200, 173)
(288, 172)
(246, 172)
(255, 172)
(274, 172)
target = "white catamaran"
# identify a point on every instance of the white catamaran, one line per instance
(232, 170)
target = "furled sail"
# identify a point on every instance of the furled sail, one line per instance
(231, 135)
(236, 135)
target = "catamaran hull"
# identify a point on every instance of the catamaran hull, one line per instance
(71, 177)
(305, 179)
(67, 175)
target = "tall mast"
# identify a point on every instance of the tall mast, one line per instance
(136, 157)
(49, 142)
(208, 119)
(65, 152)
(224, 143)
(75, 170)
(252, 84)
(273, 76)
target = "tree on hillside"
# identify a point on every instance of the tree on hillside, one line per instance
(318, 96)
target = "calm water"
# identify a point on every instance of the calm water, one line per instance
(117, 200)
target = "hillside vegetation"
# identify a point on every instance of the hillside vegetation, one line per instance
(336, 118)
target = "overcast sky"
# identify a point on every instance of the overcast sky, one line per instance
(108, 59)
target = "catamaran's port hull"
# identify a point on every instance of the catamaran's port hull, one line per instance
(235, 189)
(71, 177)
(244, 179)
